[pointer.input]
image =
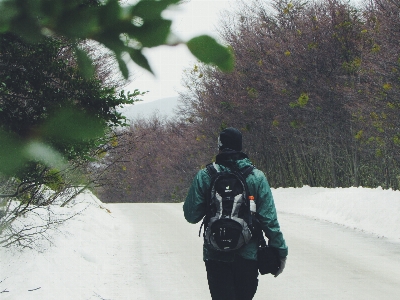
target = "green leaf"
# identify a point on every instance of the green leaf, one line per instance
(138, 57)
(72, 125)
(112, 41)
(209, 51)
(9, 10)
(14, 154)
(39, 151)
(11, 156)
(27, 28)
(303, 99)
(153, 33)
(151, 10)
(78, 23)
(86, 68)
(123, 67)
(110, 13)
(52, 8)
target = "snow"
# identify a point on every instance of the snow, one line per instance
(75, 264)
(375, 211)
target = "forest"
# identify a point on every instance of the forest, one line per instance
(315, 92)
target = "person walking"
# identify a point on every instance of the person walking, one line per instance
(233, 275)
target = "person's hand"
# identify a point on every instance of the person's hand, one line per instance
(283, 263)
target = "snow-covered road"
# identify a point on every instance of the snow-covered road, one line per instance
(162, 254)
(329, 261)
(159, 256)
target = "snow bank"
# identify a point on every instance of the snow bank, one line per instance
(376, 211)
(68, 266)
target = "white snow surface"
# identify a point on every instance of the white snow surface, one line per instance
(74, 265)
(375, 211)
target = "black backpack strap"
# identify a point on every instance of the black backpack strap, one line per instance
(246, 171)
(243, 174)
(212, 171)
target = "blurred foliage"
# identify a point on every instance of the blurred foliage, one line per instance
(48, 112)
(52, 107)
(122, 29)
(207, 50)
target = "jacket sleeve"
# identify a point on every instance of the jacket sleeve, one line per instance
(267, 214)
(194, 207)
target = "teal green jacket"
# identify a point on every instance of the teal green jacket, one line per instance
(194, 209)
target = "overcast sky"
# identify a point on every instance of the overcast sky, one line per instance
(191, 19)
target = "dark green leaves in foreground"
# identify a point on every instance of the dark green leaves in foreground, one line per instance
(67, 129)
(72, 125)
(207, 50)
(122, 29)
(49, 113)
(11, 153)
(85, 63)
(37, 130)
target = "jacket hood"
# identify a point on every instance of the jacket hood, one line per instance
(233, 159)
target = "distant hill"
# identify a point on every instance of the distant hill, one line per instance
(163, 107)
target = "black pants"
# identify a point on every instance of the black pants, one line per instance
(232, 280)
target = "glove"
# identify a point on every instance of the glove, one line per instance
(283, 263)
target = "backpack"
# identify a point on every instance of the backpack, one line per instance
(228, 220)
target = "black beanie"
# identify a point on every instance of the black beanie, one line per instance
(230, 138)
